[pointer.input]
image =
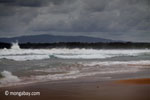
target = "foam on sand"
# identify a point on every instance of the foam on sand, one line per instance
(108, 63)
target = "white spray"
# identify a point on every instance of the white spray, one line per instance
(7, 78)
(15, 46)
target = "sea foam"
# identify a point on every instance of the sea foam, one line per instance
(7, 78)
(18, 54)
(15, 46)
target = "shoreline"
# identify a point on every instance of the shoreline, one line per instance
(85, 89)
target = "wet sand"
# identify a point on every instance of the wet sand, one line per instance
(135, 81)
(83, 89)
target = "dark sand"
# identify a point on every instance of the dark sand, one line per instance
(83, 89)
(135, 81)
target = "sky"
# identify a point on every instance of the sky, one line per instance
(127, 20)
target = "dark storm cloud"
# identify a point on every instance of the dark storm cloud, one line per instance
(123, 19)
(28, 3)
(96, 15)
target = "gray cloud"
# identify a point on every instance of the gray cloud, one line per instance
(115, 19)
(31, 3)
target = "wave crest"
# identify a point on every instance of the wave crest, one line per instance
(7, 78)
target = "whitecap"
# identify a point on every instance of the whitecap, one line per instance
(8, 78)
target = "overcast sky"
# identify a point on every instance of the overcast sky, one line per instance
(127, 20)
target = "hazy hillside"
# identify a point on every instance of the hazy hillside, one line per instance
(53, 39)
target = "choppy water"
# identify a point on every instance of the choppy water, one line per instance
(24, 66)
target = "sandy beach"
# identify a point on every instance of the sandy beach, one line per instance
(74, 74)
(84, 89)
(74, 49)
(135, 81)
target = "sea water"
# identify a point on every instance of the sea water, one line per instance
(25, 66)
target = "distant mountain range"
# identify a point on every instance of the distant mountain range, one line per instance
(54, 39)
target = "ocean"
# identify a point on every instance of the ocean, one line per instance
(26, 66)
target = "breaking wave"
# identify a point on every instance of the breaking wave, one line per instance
(8, 78)
(15, 53)
(80, 69)
(15, 46)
